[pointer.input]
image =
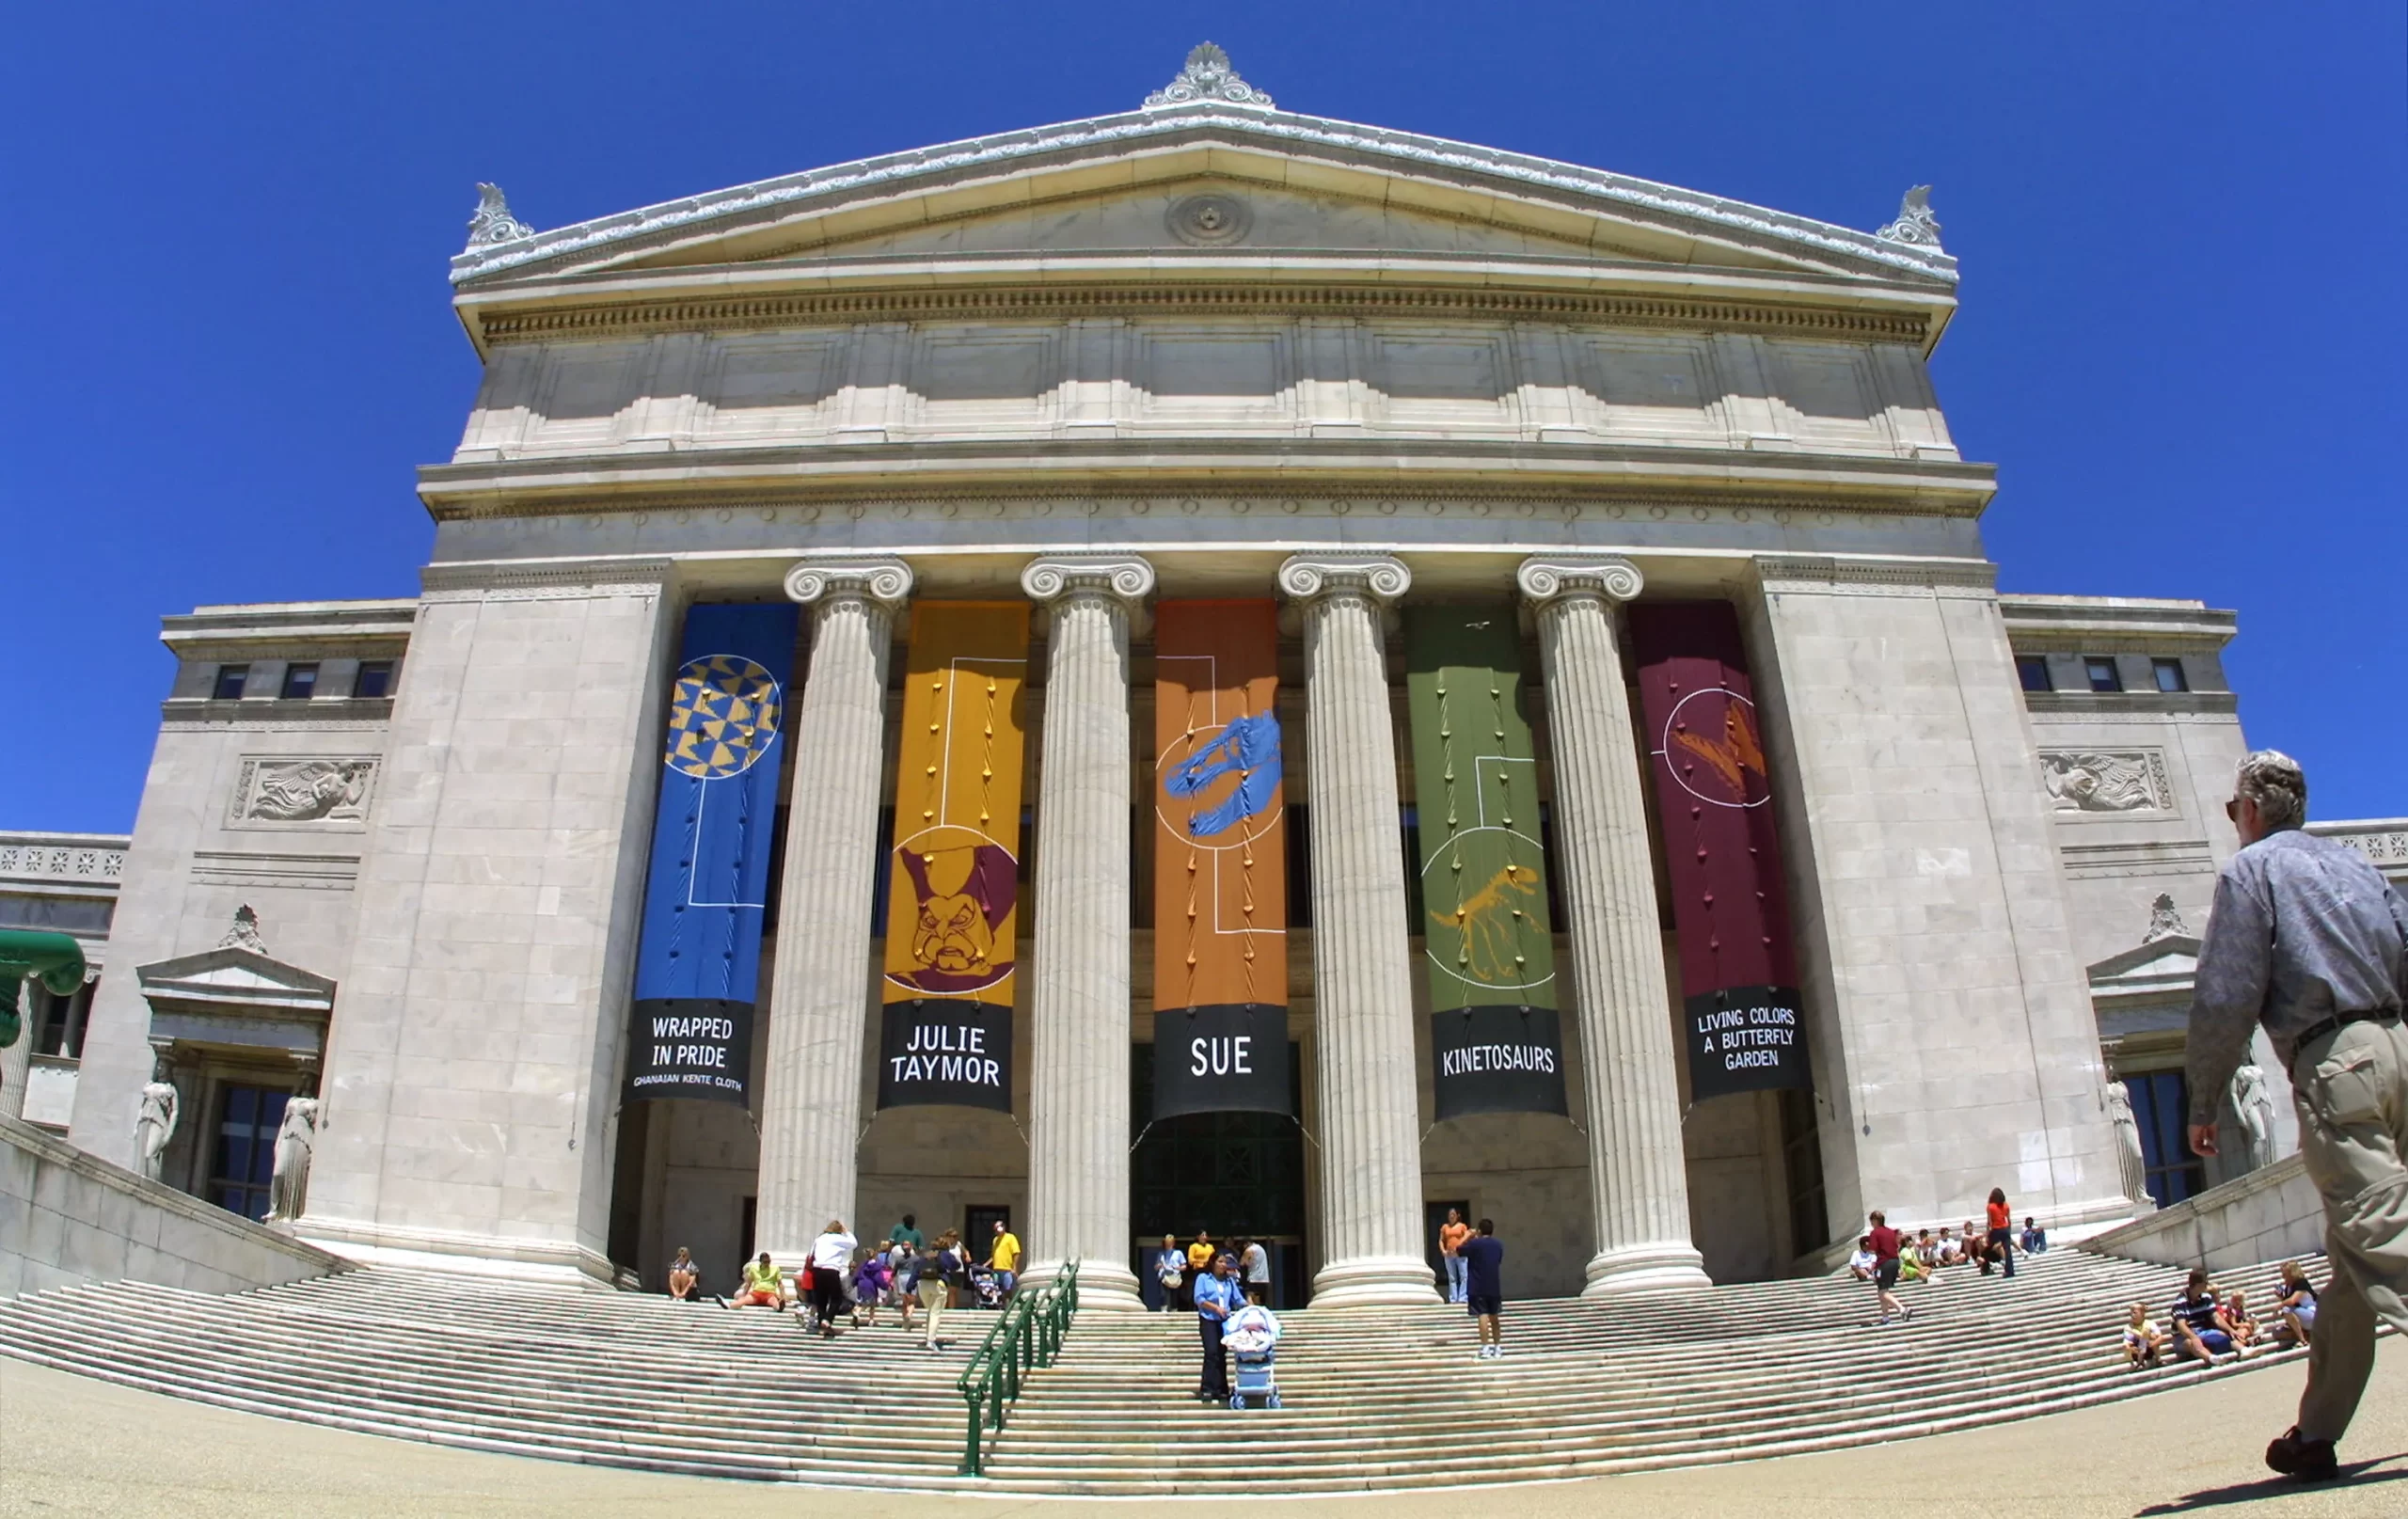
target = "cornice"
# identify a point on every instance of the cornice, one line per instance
(639, 317)
(1815, 572)
(1336, 468)
(544, 580)
(751, 207)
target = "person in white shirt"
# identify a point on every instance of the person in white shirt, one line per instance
(832, 1254)
(1861, 1264)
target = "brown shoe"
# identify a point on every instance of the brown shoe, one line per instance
(2305, 1461)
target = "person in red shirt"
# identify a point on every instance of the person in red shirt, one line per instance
(1885, 1270)
(2002, 1231)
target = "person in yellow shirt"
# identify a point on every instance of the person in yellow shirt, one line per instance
(1451, 1235)
(1004, 1259)
(1200, 1263)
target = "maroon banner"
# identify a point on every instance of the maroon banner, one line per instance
(1706, 757)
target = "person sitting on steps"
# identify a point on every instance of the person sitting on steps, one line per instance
(2143, 1342)
(763, 1287)
(2201, 1333)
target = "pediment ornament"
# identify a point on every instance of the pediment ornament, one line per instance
(1208, 79)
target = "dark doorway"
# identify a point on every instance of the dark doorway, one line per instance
(978, 1223)
(2162, 1104)
(1230, 1175)
(243, 1157)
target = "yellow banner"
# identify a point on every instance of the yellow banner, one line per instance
(953, 902)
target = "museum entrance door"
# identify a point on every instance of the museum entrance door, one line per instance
(1230, 1175)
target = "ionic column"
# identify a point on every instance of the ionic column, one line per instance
(1637, 1176)
(819, 988)
(1078, 1132)
(1371, 1112)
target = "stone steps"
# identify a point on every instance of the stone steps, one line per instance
(1374, 1398)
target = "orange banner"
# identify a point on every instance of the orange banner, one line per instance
(1220, 835)
(953, 896)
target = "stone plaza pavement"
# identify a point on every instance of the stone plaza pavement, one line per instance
(72, 1446)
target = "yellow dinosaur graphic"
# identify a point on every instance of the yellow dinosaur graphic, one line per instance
(1489, 922)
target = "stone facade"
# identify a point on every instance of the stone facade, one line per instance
(1207, 348)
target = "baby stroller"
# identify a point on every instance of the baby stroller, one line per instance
(985, 1289)
(1251, 1336)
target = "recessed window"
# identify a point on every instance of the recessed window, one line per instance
(375, 678)
(2169, 675)
(2102, 672)
(61, 1020)
(231, 679)
(300, 681)
(2033, 670)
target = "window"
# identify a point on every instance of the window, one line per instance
(2033, 669)
(2162, 1105)
(2101, 670)
(375, 678)
(300, 681)
(2169, 674)
(58, 1022)
(230, 681)
(242, 1162)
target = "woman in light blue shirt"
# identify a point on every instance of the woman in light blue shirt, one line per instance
(1217, 1296)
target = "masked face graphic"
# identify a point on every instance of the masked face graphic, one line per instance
(961, 893)
(952, 935)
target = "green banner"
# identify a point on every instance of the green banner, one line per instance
(1495, 1043)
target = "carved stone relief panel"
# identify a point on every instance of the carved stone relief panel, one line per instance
(329, 792)
(2102, 781)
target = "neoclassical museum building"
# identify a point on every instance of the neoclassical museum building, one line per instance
(1202, 669)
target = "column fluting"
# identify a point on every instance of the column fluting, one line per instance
(1638, 1170)
(1079, 1009)
(1370, 1092)
(819, 989)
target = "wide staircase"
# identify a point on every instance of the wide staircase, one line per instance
(1388, 1398)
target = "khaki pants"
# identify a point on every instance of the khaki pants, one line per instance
(932, 1297)
(2350, 1087)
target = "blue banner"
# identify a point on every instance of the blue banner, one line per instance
(698, 965)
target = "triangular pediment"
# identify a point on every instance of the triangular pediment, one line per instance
(1112, 185)
(2161, 966)
(233, 976)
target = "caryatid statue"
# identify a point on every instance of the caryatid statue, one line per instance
(289, 1187)
(2254, 1107)
(154, 1125)
(2130, 1163)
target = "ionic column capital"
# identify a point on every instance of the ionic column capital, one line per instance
(816, 582)
(1609, 575)
(1307, 577)
(1124, 577)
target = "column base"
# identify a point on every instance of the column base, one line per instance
(1104, 1285)
(1373, 1282)
(1645, 1268)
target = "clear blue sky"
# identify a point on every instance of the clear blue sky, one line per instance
(226, 341)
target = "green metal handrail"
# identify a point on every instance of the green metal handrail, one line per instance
(1027, 1337)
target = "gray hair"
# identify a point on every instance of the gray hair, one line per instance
(2274, 781)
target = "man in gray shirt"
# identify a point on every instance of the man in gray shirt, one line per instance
(2308, 941)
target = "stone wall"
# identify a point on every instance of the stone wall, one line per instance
(67, 1217)
(472, 1075)
(2270, 1214)
(1954, 1047)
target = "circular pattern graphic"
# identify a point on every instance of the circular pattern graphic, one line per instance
(721, 717)
(1480, 940)
(1209, 221)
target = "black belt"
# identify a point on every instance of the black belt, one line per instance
(2341, 1021)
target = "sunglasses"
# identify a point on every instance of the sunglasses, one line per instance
(2232, 809)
